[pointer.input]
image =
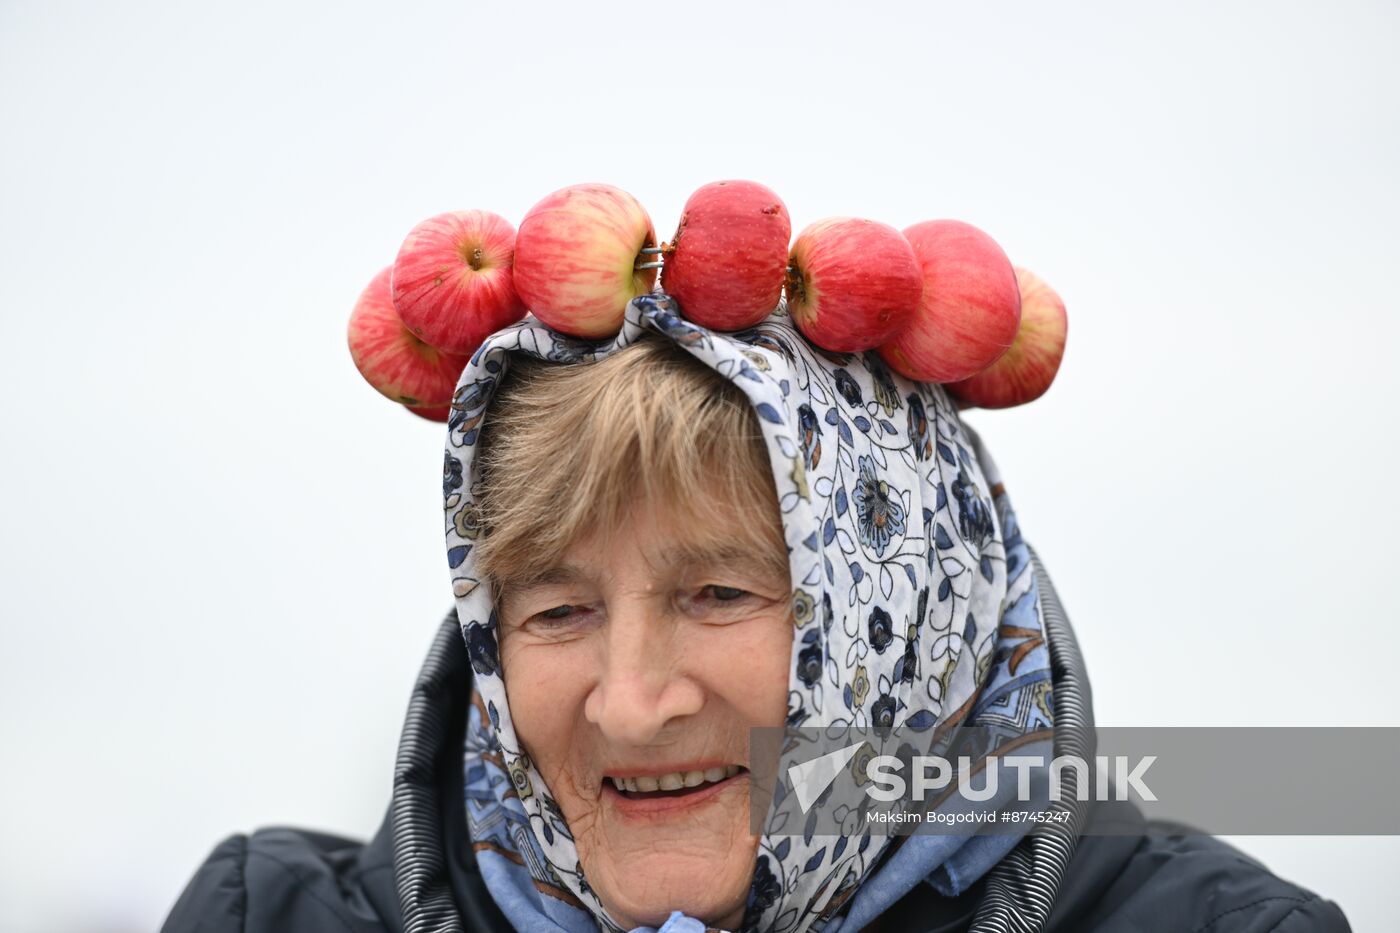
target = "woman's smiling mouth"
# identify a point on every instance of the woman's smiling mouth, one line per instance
(664, 793)
(674, 780)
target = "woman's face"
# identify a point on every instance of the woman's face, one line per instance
(642, 663)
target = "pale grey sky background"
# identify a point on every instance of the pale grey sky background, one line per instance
(222, 551)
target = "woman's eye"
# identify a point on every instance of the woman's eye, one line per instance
(561, 621)
(726, 593)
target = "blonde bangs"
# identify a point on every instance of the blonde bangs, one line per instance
(569, 451)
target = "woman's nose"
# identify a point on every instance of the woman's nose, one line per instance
(642, 686)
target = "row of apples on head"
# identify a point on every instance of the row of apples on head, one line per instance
(939, 302)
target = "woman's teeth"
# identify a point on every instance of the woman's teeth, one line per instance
(675, 780)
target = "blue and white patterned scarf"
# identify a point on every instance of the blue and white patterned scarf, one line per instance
(913, 596)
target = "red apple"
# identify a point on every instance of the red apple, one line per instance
(852, 284)
(576, 259)
(1024, 371)
(970, 309)
(452, 281)
(439, 413)
(392, 359)
(726, 263)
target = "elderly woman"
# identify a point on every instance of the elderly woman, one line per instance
(660, 544)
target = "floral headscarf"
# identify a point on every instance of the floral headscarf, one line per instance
(911, 590)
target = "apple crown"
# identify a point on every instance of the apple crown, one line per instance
(939, 302)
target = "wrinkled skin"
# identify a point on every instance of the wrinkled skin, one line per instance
(639, 663)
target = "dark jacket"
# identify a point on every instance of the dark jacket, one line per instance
(418, 873)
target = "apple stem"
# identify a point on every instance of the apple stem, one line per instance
(793, 285)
